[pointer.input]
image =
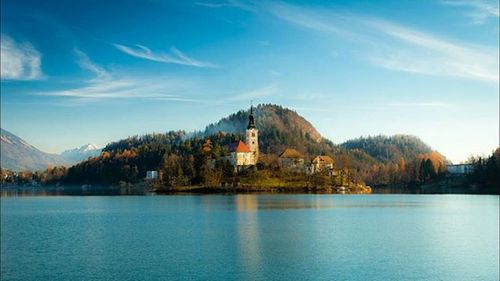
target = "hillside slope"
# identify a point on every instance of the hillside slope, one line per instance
(389, 149)
(17, 154)
(278, 127)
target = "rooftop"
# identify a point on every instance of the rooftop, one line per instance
(239, 146)
(291, 153)
(322, 159)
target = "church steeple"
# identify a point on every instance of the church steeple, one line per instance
(252, 137)
(251, 120)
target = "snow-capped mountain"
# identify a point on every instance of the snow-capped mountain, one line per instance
(78, 154)
(17, 154)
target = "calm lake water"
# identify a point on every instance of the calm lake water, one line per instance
(251, 237)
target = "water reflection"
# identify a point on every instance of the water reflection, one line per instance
(247, 203)
(249, 240)
(255, 202)
(263, 223)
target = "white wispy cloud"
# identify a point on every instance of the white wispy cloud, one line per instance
(311, 18)
(19, 61)
(125, 88)
(85, 63)
(397, 47)
(113, 86)
(427, 54)
(478, 10)
(175, 56)
(106, 85)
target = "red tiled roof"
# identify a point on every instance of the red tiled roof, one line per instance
(239, 146)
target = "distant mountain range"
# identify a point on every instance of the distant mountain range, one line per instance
(17, 154)
(78, 154)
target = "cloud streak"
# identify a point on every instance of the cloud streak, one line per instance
(109, 86)
(19, 61)
(397, 47)
(174, 57)
(479, 10)
(106, 85)
(85, 63)
(125, 89)
(426, 54)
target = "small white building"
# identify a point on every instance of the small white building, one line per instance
(459, 169)
(152, 175)
(322, 163)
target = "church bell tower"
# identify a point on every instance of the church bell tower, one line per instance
(252, 137)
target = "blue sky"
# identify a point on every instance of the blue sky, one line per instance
(76, 72)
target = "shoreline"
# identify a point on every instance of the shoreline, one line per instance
(447, 186)
(139, 190)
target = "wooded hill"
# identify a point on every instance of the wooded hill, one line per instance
(181, 156)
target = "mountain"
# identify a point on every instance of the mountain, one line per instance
(278, 127)
(17, 154)
(78, 154)
(268, 117)
(389, 149)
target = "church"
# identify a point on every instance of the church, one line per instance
(246, 154)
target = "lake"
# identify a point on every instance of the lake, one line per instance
(250, 237)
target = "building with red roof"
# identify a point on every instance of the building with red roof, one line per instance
(239, 147)
(240, 155)
(246, 154)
